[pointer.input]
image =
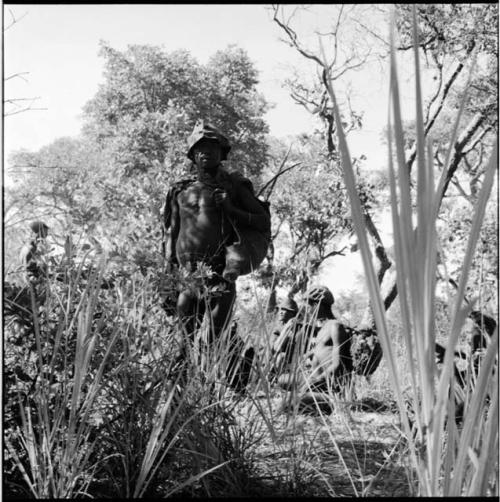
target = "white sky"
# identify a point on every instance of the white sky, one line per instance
(58, 46)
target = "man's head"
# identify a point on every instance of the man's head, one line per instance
(321, 297)
(207, 146)
(40, 229)
(287, 309)
(207, 154)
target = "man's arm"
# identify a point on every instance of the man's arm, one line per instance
(170, 221)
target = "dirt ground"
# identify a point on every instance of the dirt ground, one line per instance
(350, 451)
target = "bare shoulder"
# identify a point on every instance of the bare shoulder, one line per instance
(331, 328)
(179, 186)
(186, 192)
(331, 324)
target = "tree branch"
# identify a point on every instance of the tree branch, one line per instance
(333, 253)
(458, 152)
(14, 20)
(430, 123)
(13, 102)
(274, 179)
(436, 94)
(478, 139)
(292, 35)
(17, 75)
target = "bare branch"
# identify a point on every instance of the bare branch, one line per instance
(304, 99)
(334, 253)
(292, 36)
(14, 100)
(18, 108)
(461, 190)
(14, 20)
(413, 153)
(436, 95)
(371, 32)
(299, 249)
(346, 67)
(477, 140)
(335, 37)
(272, 181)
(23, 110)
(458, 152)
(17, 75)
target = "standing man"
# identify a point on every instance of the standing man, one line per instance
(203, 218)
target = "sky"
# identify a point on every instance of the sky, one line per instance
(54, 49)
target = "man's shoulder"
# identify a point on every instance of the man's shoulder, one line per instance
(236, 178)
(26, 250)
(331, 325)
(178, 186)
(181, 184)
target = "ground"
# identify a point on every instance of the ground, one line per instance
(349, 452)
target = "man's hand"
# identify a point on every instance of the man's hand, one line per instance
(221, 198)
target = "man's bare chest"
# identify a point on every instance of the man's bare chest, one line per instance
(197, 197)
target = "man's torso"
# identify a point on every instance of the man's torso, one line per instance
(202, 231)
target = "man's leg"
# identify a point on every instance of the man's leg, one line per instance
(220, 310)
(190, 311)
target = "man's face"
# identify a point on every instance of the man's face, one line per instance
(284, 315)
(207, 154)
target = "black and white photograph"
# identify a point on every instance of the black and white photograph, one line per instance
(250, 250)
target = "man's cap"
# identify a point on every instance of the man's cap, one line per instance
(320, 294)
(204, 130)
(288, 304)
(38, 226)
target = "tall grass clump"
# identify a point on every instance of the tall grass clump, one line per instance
(161, 422)
(448, 460)
(99, 403)
(51, 442)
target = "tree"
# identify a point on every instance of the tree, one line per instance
(347, 55)
(453, 37)
(447, 34)
(310, 213)
(110, 183)
(150, 98)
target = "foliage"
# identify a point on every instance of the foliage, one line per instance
(452, 36)
(54, 183)
(310, 209)
(455, 226)
(110, 184)
(151, 99)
